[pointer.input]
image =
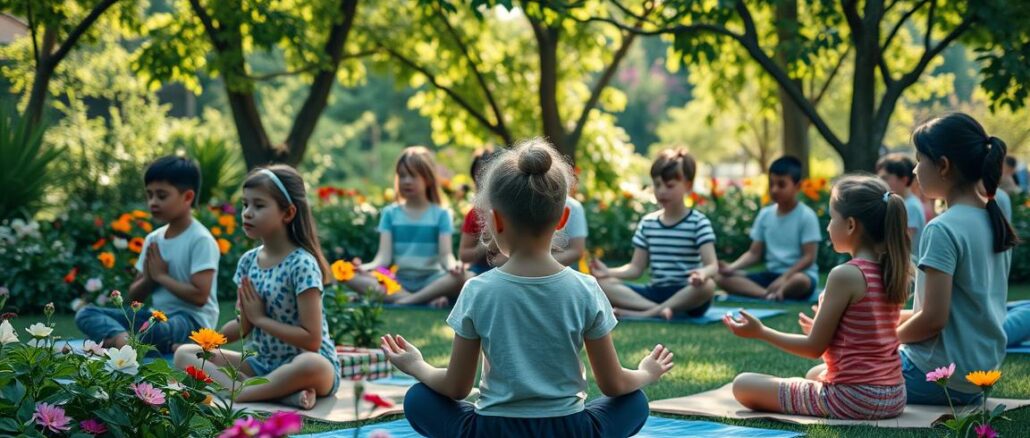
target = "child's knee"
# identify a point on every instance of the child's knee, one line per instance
(744, 386)
(418, 397)
(186, 355)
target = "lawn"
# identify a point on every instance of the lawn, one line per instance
(706, 357)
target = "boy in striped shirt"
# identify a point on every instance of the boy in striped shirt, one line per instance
(676, 242)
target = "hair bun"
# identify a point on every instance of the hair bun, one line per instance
(535, 160)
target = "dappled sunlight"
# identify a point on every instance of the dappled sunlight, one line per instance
(442, 332)
(702, 373)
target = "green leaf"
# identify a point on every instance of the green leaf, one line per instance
(254, 381)
(13, 393)
(8, 425)
(114, 416)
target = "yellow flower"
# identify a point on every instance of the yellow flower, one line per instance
(984, 378)
(393, 270)
(140, 214)
(159, 315)
(207, 339)
(106, 259)
(216, 231)
(343, 270)
(208, 400)
(584, 264)
(391, 285)
(224, 246)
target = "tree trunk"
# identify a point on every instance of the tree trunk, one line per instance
(257, 148)
(795, 124)
(547, 42)
(863, 146)
(38, 94)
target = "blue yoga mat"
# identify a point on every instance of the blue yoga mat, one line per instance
(398, 379)
(714, 314)
(655, 427)
(1013, 304)
(1022, 349)
(739, 299)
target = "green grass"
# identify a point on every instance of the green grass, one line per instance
(706, 357)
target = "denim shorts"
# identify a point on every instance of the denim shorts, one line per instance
(765, 278)
(659, 294)
(921, 392)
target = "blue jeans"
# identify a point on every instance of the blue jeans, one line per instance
(659, 294)
(921, 392)
(1017, 325)
(99, 323)
(435, 415)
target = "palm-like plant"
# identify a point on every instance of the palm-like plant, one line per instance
(25, 161)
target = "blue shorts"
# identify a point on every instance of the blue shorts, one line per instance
(765, 278)
(921, 392)
(414, 283)
(659, 294)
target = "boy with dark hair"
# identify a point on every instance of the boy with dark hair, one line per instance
(785, 236)
(896, 170)
(177, 268)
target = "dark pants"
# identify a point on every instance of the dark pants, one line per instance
(99, 323)
(435, 415)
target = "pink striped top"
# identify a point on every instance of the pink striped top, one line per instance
(864, 350)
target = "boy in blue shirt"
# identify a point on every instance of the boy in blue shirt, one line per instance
(897, 171)
(178, 267)
(785, 236)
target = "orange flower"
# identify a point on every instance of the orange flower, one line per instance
(208, 339)
(136, 245)
(227, 221)
(584, 264)
(106, 259)
(70, 276)
(159, 315)
(343, 270)
(216, 231)
(984, 379)
(140, 214)
(391, 285)
(224, 246)
(125, 217)
(765, 199)
(121, 226)
(99, 244)
(145, 226)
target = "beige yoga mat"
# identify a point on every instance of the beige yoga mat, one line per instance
(720, 403)
(340, 408)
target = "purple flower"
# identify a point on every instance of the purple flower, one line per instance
(51, 417)
(985, 431)
(281, 424)
(227, 208)
(93, 427)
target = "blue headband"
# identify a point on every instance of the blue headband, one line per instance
(278, 183)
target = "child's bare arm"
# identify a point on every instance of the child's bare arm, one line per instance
(931, 319)
(571, 253)
(749, 258)
(141, 287)
(444, 253)
(633, 269)
(844, 283)
(196, 292)
(470, 250)
(808, 252)
(455, 381)
(709, 262)
(613, 379)
(384, 255)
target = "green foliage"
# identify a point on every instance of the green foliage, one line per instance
(354, 319)
(220, 165)
(26, 163)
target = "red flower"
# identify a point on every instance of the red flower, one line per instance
(325, 192)
(70, 276)
(377, 400)
(198, 375)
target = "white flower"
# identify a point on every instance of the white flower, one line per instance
(22, 228)
(93, 285)
(93, 348)
(102, 299)
(7, 334)
(122, 360)
(77, 304)
(6, 235)
(38, 330)
(120, 243)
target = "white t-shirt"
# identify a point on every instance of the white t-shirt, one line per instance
(193, 251)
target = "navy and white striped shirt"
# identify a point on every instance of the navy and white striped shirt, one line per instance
(673, 250)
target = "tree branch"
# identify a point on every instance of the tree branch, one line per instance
(833, 73)
(32, 32)
(76, 33)
(450, 92)
(901, 22)
(475, 71)
(602, 83)
(853, 19)
(209, 26)
(307, 68)
(929, 25)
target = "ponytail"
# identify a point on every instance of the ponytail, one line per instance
(896, 259)
(1004, 236)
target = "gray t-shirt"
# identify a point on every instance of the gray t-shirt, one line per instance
(916, 221)
(576, 226)
(193, 251)
(959, 243)
(784, 235)
(1005, 203)
(532, 332)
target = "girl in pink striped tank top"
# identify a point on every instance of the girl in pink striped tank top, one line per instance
(855, 326)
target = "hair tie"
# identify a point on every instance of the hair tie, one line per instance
(275, 179)
(990, 198)
(887, 196)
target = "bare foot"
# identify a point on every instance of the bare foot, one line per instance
(304, 399)
(666, 313)
(440, 303)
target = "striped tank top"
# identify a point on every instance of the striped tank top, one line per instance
(864, 350)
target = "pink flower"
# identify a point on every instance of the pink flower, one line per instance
(145, 326)
(51, 417)
(148, 393)
(379, 433)
(93, 427)
(243, 428)
(940, 375)
(985, 431)
(281, 424)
